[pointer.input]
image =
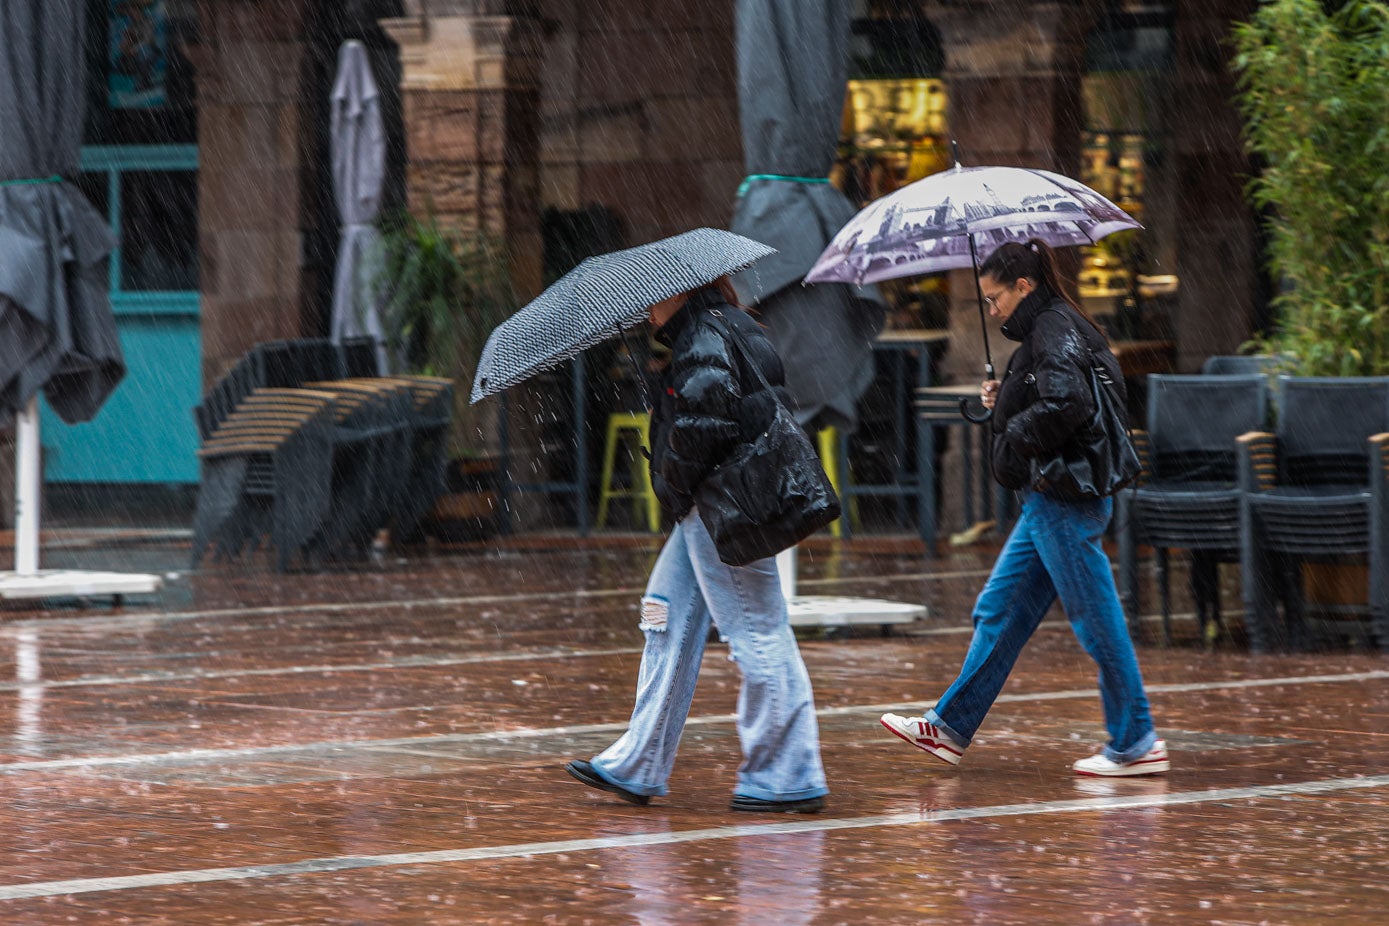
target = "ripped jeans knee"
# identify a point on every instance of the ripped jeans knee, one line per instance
(655, 611)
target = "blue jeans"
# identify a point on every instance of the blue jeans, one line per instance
(1054, 551)
(776, 723)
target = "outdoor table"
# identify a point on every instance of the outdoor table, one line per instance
(939, 407)
(900, 343)
(1139, 358)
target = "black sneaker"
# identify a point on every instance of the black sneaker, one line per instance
(585, 772)
(758, 805)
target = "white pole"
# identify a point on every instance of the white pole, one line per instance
(786, 570)
(28, 490)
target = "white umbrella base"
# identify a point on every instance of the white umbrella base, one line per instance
(833, 611)
(59, 583)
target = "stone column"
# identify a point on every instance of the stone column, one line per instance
(1013, 73)
(252, 154)
(1217, 256)
(470, 79)
(470, 89)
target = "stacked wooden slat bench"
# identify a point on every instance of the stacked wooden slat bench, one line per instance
(316, 464)
(266, 471)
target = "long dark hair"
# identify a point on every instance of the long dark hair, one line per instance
(724, 285)
(1034, 261)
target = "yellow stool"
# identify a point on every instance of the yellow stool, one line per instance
(633, 429)
(827, 441)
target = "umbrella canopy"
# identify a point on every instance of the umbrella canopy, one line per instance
(602, 297)
(359, 165)
(57, 333)
(792, 66)
(944, 221)
(938, 222)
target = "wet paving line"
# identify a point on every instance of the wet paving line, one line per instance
(123, 621)
(417, 744)
(404, 662)
(1286, 791)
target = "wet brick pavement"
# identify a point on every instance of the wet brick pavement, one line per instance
(384, 744)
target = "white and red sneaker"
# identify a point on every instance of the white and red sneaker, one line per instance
(1154, 762)
(925, 736)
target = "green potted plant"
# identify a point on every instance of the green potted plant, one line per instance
(1314, 92)
(443, 291)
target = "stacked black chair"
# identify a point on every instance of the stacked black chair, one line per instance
(1188, 496)
(247, 376)
(1315, 489)
(429, 432)
(265, 471)
(291, 364)
(371, 462)
(1238, 365)
(360, 358)
(318, 484)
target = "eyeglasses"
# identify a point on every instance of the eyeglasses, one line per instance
(992, 301)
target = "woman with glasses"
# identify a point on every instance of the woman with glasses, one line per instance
(1040, 409)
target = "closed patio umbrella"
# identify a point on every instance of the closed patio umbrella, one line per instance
(57, 333)
(359, 166)
(792, 66)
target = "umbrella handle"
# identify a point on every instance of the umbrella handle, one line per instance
(986, 413)
(975, 417)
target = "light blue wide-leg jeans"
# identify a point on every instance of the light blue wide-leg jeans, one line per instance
(688, 588)
(1054, 551)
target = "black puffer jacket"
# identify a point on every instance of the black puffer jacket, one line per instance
(1045, 397)
(700, 413)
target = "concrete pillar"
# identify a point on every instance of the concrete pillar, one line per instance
(470, 88)
(470, 79)
(252, 150)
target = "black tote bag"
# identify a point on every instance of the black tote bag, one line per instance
(1100, 459)
(771, 493)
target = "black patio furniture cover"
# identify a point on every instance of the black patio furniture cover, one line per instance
(792, 65)
(57, 333)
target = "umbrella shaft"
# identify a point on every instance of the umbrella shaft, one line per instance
(979, 297)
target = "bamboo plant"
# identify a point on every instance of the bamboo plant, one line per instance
(1314, 92)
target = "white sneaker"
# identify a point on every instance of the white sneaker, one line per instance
(1153, 763)
(925, 736)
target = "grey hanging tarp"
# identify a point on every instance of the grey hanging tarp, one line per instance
(57, 333)
(359, 167)
(792, 67)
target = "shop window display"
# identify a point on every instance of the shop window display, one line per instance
(894, 131)
(1128, 280)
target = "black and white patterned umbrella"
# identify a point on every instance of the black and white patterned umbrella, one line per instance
(603, 296)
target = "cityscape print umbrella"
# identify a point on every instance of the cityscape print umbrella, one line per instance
(953, 219)
(602, 297)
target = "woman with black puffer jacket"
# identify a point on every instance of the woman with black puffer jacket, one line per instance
(1044, 408)
(707, 404)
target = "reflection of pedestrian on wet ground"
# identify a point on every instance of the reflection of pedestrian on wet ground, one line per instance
(707, 403)
(1040, 408)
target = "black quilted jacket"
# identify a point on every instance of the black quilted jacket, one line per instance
(1045, 396)
(700, 413)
